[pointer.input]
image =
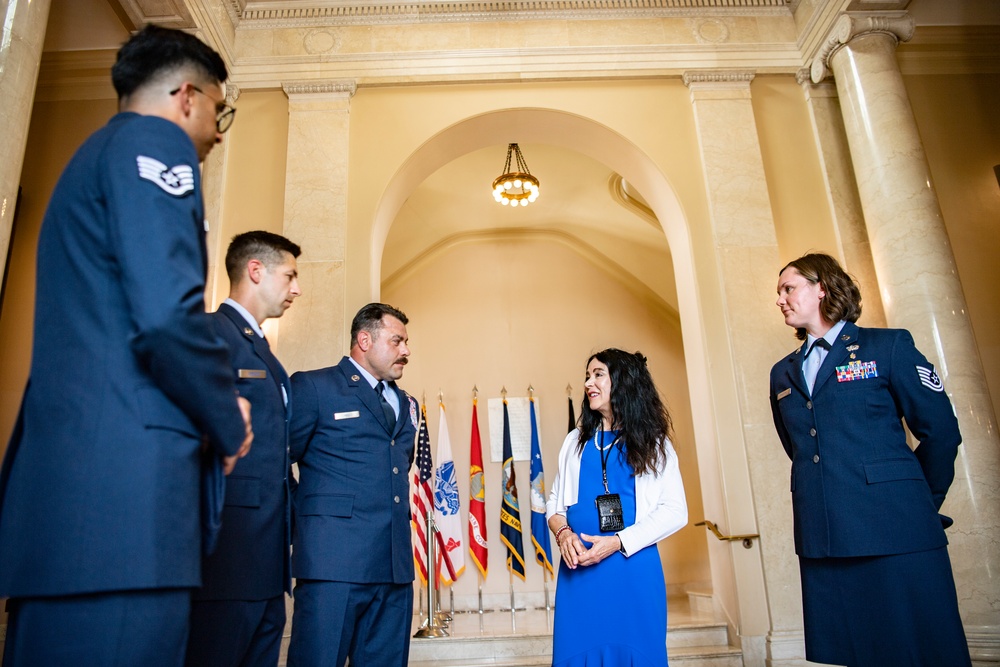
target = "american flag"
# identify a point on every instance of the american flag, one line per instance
(422, 500)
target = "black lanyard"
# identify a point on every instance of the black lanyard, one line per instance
(599, 441)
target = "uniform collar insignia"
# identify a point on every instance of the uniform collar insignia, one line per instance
(248, 331)
(355, 378)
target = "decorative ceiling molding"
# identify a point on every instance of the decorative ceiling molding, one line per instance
(168, 13)
(500, 10)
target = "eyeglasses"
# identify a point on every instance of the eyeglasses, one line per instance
(224, 113)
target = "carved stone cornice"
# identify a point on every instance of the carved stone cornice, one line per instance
(898, 26)
(340, 86)
(371, 13)
(718, 78)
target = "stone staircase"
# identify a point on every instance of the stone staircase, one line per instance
(694, 639)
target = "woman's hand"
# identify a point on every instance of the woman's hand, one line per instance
(601, 547)
(571, 548)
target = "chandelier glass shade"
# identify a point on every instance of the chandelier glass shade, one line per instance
(515, 187)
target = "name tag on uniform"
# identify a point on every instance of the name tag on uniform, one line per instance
(346, 415)
(251, 374)
(784, 393)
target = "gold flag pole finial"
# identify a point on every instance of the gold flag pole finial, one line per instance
(475, 392)
(531, 392)
(569, 390)
(423, 398)
(440, 396)
(503, 392)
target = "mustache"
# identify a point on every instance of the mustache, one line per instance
(402, 360)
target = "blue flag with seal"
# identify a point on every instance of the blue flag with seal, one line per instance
(510, 512)
(539, 528)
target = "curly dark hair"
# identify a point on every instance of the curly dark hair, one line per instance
(843, 296)
(155, 50)
(369, 319)
(640, 416)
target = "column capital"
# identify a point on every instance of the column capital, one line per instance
(329, 87)
(896, 25)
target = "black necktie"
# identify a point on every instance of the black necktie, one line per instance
(810, 369)
(390, 416)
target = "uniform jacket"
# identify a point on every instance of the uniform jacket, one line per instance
(251, 560)
(857, 487)
(660, 505)
(99, 489)
(352, 510)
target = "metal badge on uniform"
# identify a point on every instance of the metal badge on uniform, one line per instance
(355, 378)
(782, 394)
(176, 181)
(251, 374)
(853, 348)
(845, 337)
(337, 416)
(930, 379)
(857, 370)
(247, 331)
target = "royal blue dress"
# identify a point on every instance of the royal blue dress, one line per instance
(615, 612)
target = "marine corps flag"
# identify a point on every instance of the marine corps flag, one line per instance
(510, 513)
(539, 528)
(478, 548)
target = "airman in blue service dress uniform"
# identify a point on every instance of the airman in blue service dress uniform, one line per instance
(100, 537)
(877, 586)
(238, 614)
(352, 435)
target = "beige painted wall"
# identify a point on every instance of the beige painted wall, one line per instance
(516, 311)
(957, 118)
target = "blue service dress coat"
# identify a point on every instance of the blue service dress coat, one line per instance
(251, 559)
(352, 510)
(99, 489)
(857, 487)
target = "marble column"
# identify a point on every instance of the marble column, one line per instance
(754, 466)
(921, 290)
(842, 191)
(315, 332)
(22, 32)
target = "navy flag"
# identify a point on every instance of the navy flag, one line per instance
(510, 513)
(539, 528)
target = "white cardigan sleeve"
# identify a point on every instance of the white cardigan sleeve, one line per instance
(661, 507)
(566, 485)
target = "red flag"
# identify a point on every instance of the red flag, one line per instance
(477, 499)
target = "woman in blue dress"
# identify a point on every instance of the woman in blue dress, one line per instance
(611, 601)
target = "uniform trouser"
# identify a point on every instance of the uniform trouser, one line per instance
(115, 629)
(370, 623)
(236, 633)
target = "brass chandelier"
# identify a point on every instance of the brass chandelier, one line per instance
(517, 187)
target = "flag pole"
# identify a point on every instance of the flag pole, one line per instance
(513, 620)
(480, 576)
(430, 628)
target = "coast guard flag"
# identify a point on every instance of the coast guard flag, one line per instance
(510, 513)
(446, 509)
(478, 548)
(539, 529)
(421, 501)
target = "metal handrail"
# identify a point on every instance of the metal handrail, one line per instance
(746, 539)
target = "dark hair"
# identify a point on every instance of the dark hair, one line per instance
(155, 50)
(259, 245)
(640, 416)
(843, 296)
(369, 319)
